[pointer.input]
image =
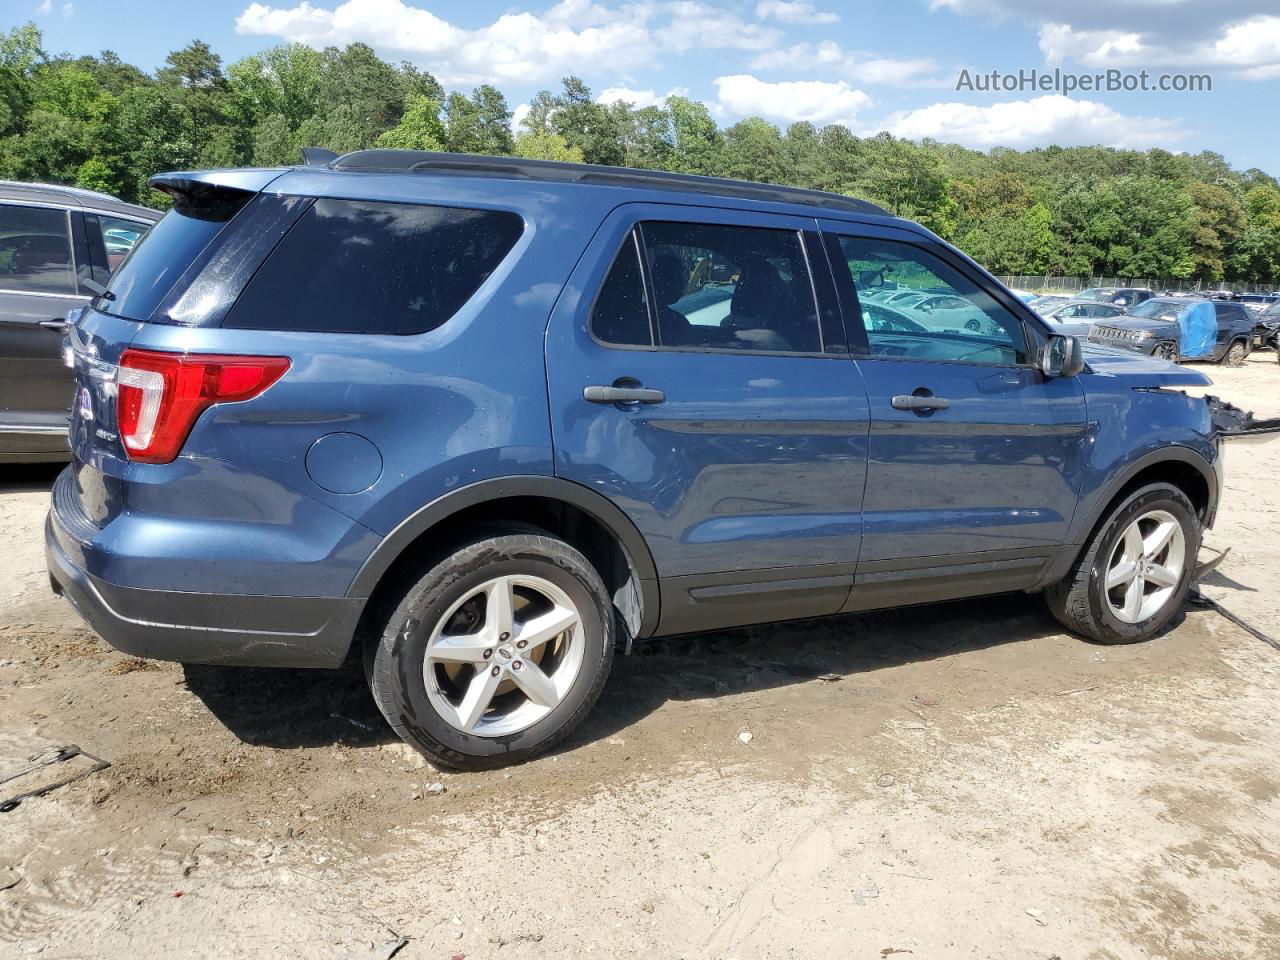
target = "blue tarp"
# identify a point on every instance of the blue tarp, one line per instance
(1199, 330)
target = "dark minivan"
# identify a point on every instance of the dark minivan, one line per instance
(481, 421)
(56, 244)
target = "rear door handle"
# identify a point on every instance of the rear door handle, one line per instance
(599, 394)
(57, 326)
(909, 402)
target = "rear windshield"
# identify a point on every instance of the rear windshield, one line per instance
(357, 266)
(154, 265)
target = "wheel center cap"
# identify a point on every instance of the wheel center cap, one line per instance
(505, 652)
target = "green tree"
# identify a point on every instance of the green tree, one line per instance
(418, 129)
(546, 146)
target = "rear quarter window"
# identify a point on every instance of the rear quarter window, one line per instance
(351, 266)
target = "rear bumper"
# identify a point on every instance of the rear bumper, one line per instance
(227, 629)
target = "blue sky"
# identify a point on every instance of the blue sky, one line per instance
(869, 66)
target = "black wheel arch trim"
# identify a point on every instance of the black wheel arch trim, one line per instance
(1177, 453)
(1174, 453)
(501, 488)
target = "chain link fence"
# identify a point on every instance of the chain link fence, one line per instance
(1044, 283)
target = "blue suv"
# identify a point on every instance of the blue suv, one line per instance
(483, 421)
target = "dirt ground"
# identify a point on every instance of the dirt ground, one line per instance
(975, 783)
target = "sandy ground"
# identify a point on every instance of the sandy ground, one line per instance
(975, 784)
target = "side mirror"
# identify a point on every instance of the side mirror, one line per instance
(1062, 356)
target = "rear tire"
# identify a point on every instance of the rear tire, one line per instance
(1236, 354)
(470, 667)
(1122, 613)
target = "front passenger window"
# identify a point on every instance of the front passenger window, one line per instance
(917, 306)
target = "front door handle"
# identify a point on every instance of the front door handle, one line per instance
(912, 402)
(58, 326)
(599, 394)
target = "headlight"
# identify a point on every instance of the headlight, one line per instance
(1144, 334)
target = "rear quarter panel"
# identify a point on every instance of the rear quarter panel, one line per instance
(461, 403)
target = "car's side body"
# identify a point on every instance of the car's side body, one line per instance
(765, 485)
(52, 240)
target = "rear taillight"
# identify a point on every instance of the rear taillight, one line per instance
(162, 394)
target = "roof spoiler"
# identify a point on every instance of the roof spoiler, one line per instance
(317, 157)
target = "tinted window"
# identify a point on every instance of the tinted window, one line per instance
(620, 314)
(1231, 312)
(958, 321)
(352, 266)
(729, 287)
(153, 264)
(35, 250)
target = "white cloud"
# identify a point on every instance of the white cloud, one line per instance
(701, 26)
(1035, 122)
(514, 47)
(639, 98)
(816, 101)
(793, 11)
(1251, 46)
(68, 9)
(1230, 34)
(517, 116)
(44, 7)
(858, 67)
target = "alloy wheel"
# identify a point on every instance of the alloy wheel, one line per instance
(1145, 567)
(503, 656)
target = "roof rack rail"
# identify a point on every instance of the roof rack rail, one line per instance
(425, 161)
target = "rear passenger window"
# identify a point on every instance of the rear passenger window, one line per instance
(621, 312)
(352, 266)
(709, 286)
(35, 250)
(729, 287)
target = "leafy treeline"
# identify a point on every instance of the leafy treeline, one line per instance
(1086, 211)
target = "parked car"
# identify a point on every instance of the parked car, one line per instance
(1121, 296)
(1181, 329)
(1255, 303)
(450, 415)
(55, 243)
(1266, 326)
(1075, 317)
(1047, 301)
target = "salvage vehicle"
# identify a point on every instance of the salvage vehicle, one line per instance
(448, 415)
(1266, 327)
(1076, 317)
(57, 246)
(1121, 296)
(1182, 329)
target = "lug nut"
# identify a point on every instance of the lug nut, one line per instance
(516, 665)
(495, 671)
(505, 637)
(522, 644)
(488, 653)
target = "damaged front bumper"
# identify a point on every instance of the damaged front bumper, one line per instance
(1240, 426)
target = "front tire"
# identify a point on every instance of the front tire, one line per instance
(1134, 573)
(496, 653)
